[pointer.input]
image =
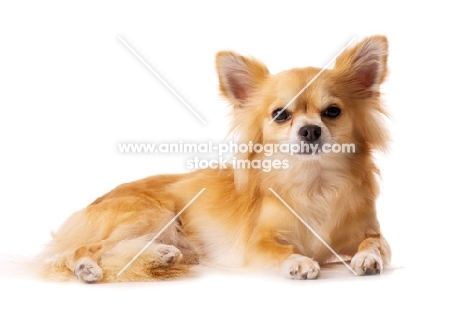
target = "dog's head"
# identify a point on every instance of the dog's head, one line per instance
(308, 106)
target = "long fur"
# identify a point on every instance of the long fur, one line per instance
(237, 221)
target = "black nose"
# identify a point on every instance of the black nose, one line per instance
(310, 133)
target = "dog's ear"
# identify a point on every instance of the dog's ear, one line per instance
(364, 66)
(239, 76)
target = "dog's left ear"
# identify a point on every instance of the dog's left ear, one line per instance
(364, 66)
(239, 76)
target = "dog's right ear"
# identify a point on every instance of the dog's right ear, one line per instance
(239, 76)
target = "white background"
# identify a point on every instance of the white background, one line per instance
(70, 91)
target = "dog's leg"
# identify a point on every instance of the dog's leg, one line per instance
(300, 267)
(158, 261)
(372, 255)
(291, 263)
(89, 244)
(86, 268)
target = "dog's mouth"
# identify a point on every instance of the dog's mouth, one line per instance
(308, 149)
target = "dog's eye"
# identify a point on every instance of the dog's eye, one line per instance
(332, 112)
(280, 116)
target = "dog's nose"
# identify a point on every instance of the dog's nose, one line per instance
(310, 133)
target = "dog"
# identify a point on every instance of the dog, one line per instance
(242, 219)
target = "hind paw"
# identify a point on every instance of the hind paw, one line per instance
(88, 271)
(167, 255)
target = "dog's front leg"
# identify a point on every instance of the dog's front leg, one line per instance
(300, 267)
(290, 262)
(372, 255)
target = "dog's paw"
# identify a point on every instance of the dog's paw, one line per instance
(300, 267)
(88, 271)
(367, 262)
(168, 254)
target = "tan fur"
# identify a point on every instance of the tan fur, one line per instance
(237, 221)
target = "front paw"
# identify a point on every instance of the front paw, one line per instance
(367, 262)
(300, 267)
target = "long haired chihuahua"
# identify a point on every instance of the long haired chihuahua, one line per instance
(242, 218)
